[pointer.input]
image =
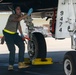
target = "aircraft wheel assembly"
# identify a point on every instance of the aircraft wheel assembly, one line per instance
(37, 46)
(70, 63)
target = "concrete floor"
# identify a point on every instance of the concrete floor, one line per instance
(55, 69)
(56, 50)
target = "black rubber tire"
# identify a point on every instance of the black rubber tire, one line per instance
(71, 56)
(40, 46)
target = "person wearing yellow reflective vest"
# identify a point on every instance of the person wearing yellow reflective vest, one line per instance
(12, 38)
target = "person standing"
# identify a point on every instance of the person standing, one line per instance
(12, 38)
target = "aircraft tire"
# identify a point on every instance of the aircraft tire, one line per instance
(70, 63)
(38, 46)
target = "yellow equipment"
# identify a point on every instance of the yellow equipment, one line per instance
(38, 61)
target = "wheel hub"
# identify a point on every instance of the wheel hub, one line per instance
(31, 50)
(68, 67)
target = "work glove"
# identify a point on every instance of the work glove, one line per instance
(23, 38)
(22, 35)
(30, 11)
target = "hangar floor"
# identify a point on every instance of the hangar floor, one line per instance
(55, 69)
(55, 48)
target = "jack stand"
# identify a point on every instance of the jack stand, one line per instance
(39, 61)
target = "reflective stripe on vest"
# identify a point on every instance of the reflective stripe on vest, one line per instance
(10, 32)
